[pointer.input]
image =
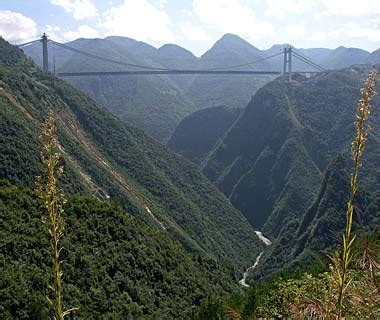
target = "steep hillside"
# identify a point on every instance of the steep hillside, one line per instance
(322, 223)
(319, 231)
(111, 159)
(197, 133)
(271, 162)
(115, 266)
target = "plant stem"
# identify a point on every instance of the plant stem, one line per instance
(358, 145)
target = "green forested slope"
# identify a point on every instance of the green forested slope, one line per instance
(115, 267)
(318, 233)
(109, 158)
(322, 224)
(272, 161)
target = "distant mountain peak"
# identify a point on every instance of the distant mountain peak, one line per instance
(173, 48)
(231, 42)
(233, 39)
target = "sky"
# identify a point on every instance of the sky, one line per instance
(197, 24)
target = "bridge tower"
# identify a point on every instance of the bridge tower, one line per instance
(287, 68)
(45, 58)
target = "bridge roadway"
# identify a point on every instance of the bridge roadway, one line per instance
(145, 72)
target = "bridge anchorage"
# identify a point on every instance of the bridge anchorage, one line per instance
(288, 53)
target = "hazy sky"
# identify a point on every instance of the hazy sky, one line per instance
(197, 24)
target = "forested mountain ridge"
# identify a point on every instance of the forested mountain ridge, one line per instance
(272, 161)
(108, 158)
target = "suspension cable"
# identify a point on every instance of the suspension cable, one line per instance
(25, 44)
(91, 55)
(307, 60)
(244, 64)
(297, 54)
(153, 68)
(315, 66)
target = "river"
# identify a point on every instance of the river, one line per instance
(267, 242)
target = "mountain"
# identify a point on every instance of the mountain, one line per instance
(374, 57)
(172, 56)
(338, 58)
(317, 55)
(157, 104)
(111, 159)
(198, 133)
(271, 162)
(152, 103)
(230, 90)
(343, 57)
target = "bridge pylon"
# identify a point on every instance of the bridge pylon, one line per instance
(287, 67)
(45, 55)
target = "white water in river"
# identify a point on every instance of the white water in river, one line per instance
(251, 268)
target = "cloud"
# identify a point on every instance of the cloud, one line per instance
(354, 30)
(194, 33)
(351, 8)
(138, 19)
(80, 9)
(295, 31)
(284, 8)
(16, 27)
(232, 16)
(83, 31)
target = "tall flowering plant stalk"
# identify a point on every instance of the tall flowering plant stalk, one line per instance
(357, 148)
(53, 199)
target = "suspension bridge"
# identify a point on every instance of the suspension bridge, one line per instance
(288, 53)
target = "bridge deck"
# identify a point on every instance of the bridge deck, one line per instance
(144, 72)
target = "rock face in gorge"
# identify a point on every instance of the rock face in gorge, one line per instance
(196, 135)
